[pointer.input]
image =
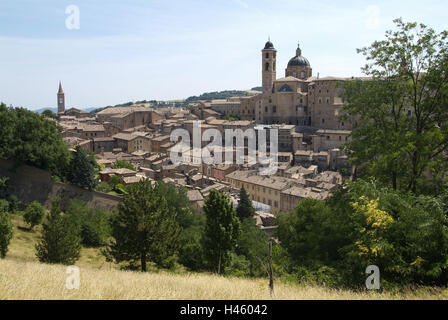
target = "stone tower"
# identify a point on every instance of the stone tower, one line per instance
(269, 56)
(61, 99)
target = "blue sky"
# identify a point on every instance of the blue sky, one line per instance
(136, 50)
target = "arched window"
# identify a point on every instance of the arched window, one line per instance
(266, 68)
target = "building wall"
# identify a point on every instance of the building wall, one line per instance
(268, 196)
(25, 180)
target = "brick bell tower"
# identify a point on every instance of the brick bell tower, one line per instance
(61, 99)
(269, 56)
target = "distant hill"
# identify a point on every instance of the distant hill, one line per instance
(257, 89)
(218, 95)
(55, 110)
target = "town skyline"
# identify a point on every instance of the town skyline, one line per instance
(162, 51)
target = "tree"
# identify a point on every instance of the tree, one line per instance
(400, 132)
(59, 242)
(81, 171)
(28, 138)
(49, 114)
(5, 232)
(222, 230)
(93, 225)
(253, 245)
(191, 252)
(178, 203)
(245, 208)
(144, 228)
(34, 214)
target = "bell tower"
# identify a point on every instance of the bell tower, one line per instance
(269, 56)
(61, 99)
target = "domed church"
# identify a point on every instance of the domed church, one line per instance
(298, 99)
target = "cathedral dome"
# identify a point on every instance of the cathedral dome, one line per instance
(299, 60)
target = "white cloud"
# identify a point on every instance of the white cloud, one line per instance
(242, 3)
(372, 16)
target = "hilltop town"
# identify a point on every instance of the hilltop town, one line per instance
(303, 108)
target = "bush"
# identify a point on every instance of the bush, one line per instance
(104, 187)
(13, 204)
(34, 214)
(5, 232)
(92, 225)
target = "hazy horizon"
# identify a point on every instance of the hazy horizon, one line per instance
(170, 50)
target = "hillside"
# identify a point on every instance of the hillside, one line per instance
(22, 277)
(219, 95)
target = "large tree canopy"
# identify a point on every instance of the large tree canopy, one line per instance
(28, 138)
(400, 114)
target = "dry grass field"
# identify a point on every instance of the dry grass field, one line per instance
(22, 277)
(31, 280)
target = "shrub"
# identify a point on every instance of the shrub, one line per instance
(92, 225)
(13, 204)
(34, 214)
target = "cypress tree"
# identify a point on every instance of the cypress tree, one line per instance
(245, 208)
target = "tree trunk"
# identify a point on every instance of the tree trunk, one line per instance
(394, 180)
(219, 263)
(143, 261)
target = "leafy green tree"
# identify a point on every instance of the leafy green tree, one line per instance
(191, 252)
(253, 245)
(81, 171)
(49, 114)
(28, 138)
(93, 225)
(245, 208)
(222, 230)
(144, 228)
(178, 203)
(5, 232)
(34, 214)
(400, 116)
(59, 242)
